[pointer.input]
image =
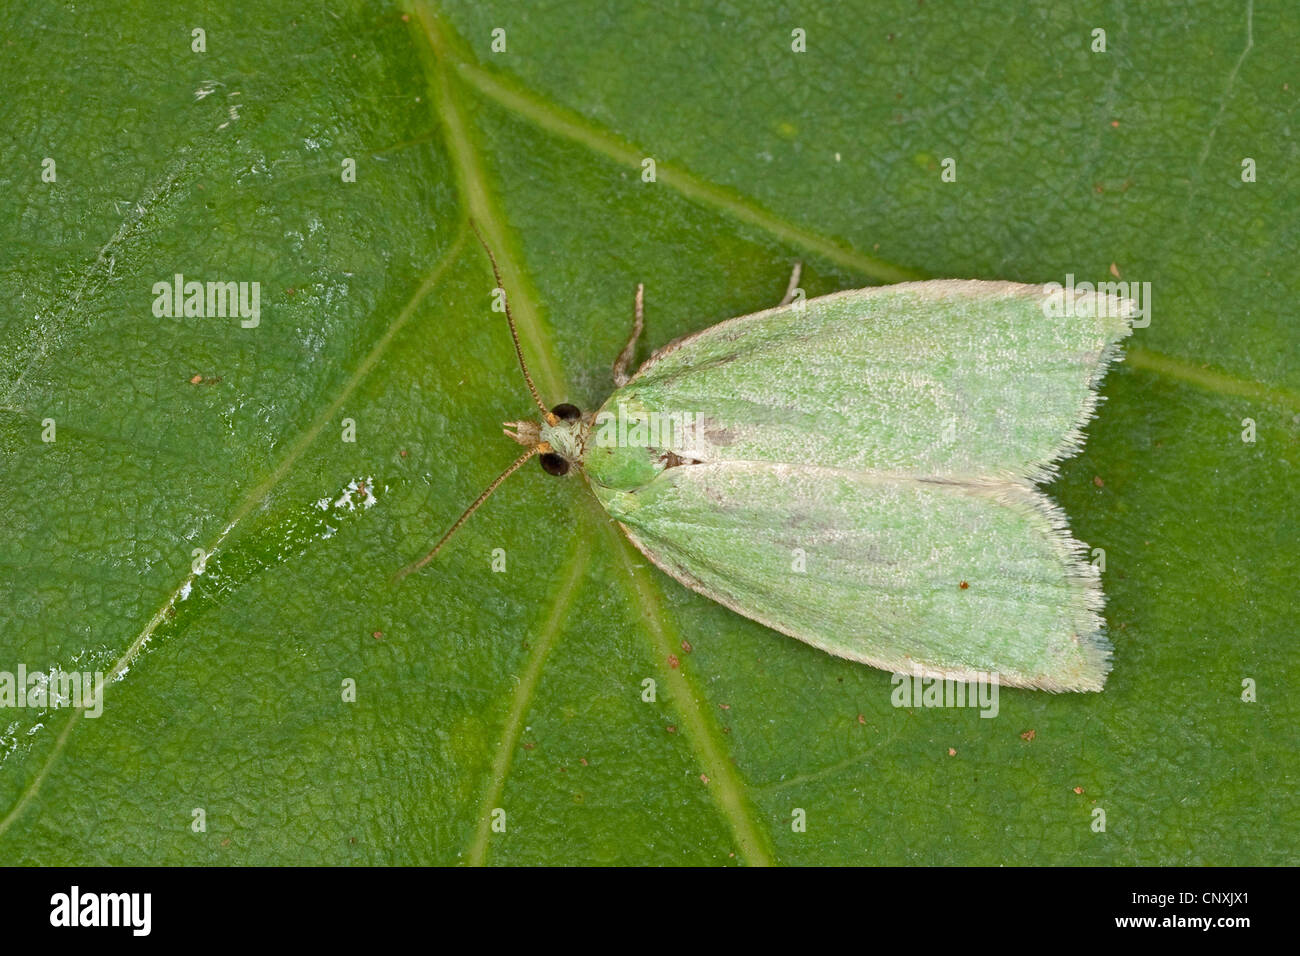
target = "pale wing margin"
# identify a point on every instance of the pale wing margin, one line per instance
(883, 560)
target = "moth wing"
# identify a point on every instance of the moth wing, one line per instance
(947, 378)
(872, 568)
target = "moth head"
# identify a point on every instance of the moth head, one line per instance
(559, 439)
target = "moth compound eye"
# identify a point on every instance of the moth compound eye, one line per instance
(567, 412)
(552, 463)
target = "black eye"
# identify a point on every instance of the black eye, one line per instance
(553, 464)
(567, 412)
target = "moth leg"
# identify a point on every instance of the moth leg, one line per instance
(625, 357)
(794, 284)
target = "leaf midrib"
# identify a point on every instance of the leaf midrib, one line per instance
(702, 733)
(1157, 363)
(551, 118)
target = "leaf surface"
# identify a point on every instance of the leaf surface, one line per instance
(523, 690)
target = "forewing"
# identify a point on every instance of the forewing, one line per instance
(950, 378)
(872, 568)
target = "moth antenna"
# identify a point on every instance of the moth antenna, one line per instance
(415, 566)
(510, 319)
(791, 286)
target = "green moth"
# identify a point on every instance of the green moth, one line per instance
(859, 471)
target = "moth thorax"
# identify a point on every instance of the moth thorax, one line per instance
(567, 439)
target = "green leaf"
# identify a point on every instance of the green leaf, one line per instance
(523, 690)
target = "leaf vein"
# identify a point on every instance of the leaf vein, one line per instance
(249, 502)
